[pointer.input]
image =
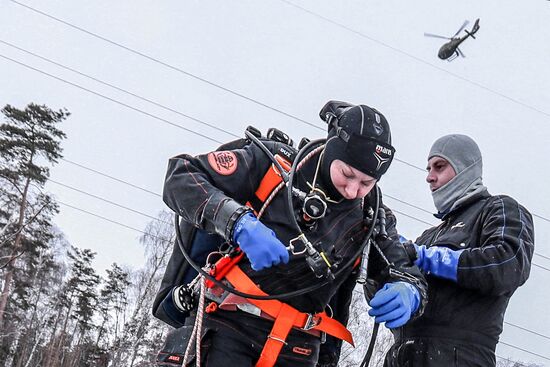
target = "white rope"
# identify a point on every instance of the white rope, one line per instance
(200, 318)
(197, 329)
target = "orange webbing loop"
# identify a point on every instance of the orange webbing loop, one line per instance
(285, 317)
(271, 179)
(276, 339)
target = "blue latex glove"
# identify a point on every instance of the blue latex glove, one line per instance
(439, 261)
(394, 304)
(259, 243)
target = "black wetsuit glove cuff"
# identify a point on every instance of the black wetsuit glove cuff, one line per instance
(229, 213)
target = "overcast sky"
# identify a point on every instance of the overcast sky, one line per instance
(268, 63)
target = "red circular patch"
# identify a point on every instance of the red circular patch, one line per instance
(224, 163)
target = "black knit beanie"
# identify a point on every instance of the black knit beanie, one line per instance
(357, 135)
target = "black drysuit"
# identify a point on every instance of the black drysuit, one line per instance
(463, 320)
(209, 191)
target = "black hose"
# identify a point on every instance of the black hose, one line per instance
(368, 355)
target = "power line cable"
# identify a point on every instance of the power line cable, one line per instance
(165, 64)
(409, 204)
(412, 217)
(543, 256)
(363, 35)
(110, 220)
(539, 266)
(111, 177)
(529, 331)
(117, 88)
(524, 350)
(541, 217)
(112, 100)
(107, 201)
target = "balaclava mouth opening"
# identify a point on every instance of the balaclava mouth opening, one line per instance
(357, 135)
(464, 156)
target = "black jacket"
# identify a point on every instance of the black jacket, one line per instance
(498, 238)
(208, 191)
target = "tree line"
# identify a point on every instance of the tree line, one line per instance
(55, 309)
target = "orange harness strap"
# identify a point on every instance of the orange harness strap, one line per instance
(271, 179)
(286, 317)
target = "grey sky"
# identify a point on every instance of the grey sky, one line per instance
(293, 61)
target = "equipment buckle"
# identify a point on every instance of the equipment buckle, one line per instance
(311, 322)
(300, 239)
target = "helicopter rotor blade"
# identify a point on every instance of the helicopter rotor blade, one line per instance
(435, 36)
(466, 22)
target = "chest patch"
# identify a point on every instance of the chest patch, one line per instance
(224, 162)
(458, 225)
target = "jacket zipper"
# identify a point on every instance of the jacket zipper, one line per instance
(443, 225)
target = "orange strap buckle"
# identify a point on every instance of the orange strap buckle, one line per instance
(286, 317)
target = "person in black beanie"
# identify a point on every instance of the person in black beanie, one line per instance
(473, 261)
(219, 193)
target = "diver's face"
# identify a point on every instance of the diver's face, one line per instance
(350, 182)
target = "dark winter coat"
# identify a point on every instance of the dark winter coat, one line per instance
(498, 238)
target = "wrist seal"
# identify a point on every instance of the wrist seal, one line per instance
(229, 213)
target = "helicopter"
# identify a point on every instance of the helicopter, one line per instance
(450, 51)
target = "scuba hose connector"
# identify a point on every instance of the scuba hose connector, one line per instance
(362, 277)
(317, 261)
(380, 230)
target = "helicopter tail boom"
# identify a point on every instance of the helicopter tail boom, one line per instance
(474, 29)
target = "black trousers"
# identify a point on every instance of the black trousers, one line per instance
(438, 352)
(236, 339)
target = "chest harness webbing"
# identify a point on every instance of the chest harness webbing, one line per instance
(285, 316)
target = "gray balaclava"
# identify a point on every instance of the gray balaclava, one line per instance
(464, 156)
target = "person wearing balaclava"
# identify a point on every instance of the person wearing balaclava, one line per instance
(291, 241)
(473, 261)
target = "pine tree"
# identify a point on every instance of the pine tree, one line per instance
(29, 143)
(79, 299)
(26, 137)
(112, 301)
(36, 321)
